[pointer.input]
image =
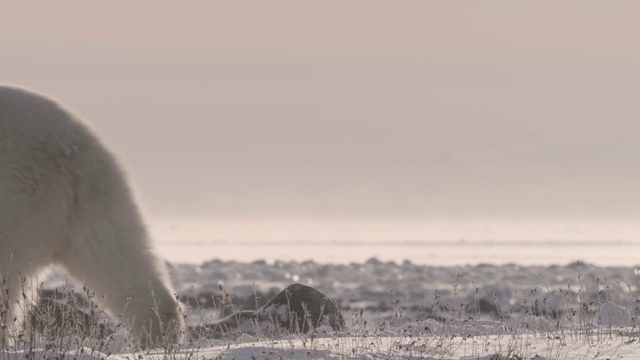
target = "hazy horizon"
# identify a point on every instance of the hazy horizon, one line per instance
(363, 111)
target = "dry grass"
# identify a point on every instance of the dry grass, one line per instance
(66, 324)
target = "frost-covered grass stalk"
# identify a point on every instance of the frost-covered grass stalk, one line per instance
(62, 324)
(539, 323)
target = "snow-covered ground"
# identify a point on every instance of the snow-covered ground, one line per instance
(393, 347)
(469, 295)
(374, 285)
(404, 310)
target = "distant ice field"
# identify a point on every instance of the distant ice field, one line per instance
(438, 244)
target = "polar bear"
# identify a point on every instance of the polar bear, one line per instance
(64, 200)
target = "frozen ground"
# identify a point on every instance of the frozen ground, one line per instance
(523, 299)
(375, 286)
(405, 310)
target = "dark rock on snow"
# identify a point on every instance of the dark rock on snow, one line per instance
(298, 308)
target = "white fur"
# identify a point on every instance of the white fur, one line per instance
(64, 200)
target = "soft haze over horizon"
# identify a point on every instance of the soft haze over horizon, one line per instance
(442, 111)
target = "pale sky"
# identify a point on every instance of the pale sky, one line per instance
(350, 109)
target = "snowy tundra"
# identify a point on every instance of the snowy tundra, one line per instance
(64, 200)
